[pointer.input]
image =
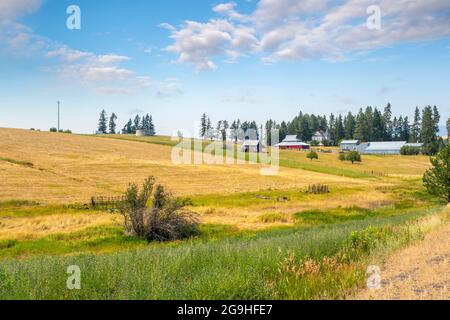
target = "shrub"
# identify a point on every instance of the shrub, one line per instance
(161, 219)
(312, 155)
(353, 156)
(53, 130)
(68, 131)
(410, 151)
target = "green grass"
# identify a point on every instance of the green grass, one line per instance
(91, 240)
(25, 208)
(18, 162)
(237, 267)
(246, 199)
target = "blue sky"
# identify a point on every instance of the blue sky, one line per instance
(244, 59)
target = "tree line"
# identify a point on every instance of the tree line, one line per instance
(109, 125)
(223, 130)
(370, 124)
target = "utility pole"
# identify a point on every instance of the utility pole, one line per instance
(58, 114)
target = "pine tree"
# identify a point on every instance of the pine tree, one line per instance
(225, 127)
(415, 128)
(151, 126)
(388, 125)
(436, 119)
(102, 123)
(137, 123)
(112, 124)
(203, 128)
(378, 126)
(349, 126)
(369, 123)
(448, 129)
(361, 128)
(340, 132)
(332, 129)
(428, 131)
(437, 179)
(128, 128)
(406, 130)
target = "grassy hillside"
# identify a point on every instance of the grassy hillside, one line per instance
(252, 226)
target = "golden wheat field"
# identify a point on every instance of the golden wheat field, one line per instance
(50, 172)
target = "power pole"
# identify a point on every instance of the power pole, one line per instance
(58, 114)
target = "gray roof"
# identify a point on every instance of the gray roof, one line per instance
(385, 146)
(350, 142)
(292, 144)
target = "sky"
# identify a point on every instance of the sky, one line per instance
(248, 59)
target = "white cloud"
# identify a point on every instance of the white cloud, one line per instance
(101, 73)
(306, 29)
(11, 9)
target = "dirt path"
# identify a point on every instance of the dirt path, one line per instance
(420, 272)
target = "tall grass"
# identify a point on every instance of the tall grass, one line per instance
(231, 268)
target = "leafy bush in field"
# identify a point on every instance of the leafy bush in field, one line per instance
(352, 156)
(312, 155)
(410, 151)
(164, 220)
(53, 130)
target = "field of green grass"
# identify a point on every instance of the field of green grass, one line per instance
(260, 237)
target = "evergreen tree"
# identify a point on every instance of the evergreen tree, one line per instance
(437, 179)
(349, 126)
(448, 129)
(436, 119)
(151, 126)
(128, 128)
(102, 123)
(112, 124)
(340, 132)
(361, 132)
(429, 131)
(415, 128)
(369, 123)
(378, 126)
(406, 130)
(332, 129)
(225, 127)
(388, 125)
(203, 125)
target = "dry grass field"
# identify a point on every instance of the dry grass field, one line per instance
(56, 170)
(46, 180)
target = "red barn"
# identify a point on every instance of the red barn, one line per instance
(292, 143)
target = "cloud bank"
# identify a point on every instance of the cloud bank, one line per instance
(297, 30)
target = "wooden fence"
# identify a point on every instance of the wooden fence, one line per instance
(318, 189)
(104, 202)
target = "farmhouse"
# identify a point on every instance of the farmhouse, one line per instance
(350, 145)
(292, 143)
(320, 137)
(252, 146)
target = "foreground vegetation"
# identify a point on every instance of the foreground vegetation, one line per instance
(324, 261)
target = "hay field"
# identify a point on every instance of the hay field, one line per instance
(45, 176)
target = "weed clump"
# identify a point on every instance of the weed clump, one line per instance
(153, 214)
